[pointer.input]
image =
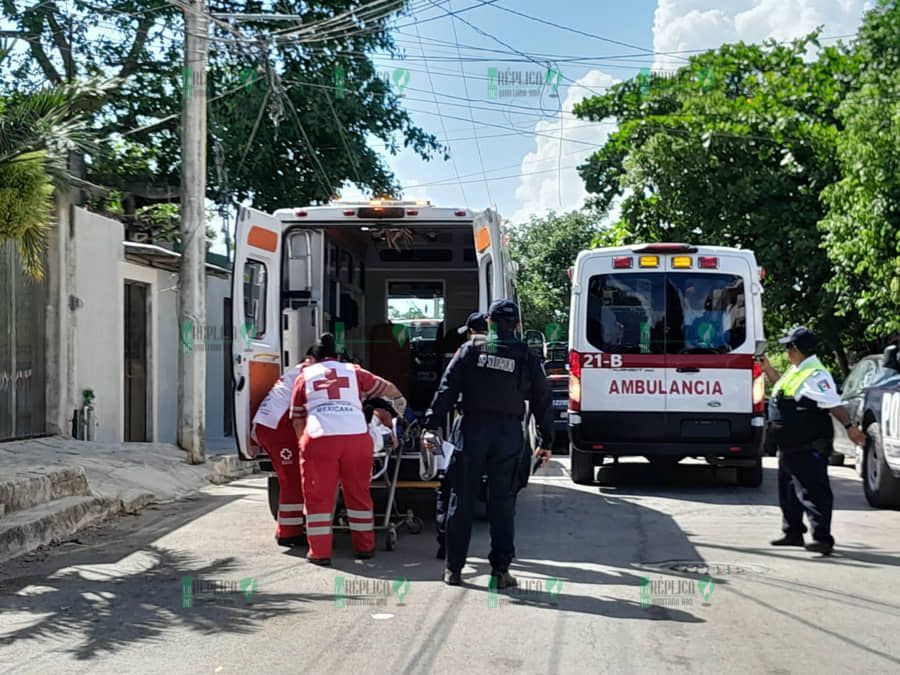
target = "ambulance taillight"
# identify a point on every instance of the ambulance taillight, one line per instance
(574, 381)
(622, 262)
(706, 262)
(759, 389)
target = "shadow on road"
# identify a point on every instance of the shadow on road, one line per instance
(113, 587)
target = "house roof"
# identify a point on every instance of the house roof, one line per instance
(158, 257)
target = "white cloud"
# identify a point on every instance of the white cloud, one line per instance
(706, 24)
(542, 188)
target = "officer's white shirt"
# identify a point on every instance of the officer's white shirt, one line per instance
(818, 387)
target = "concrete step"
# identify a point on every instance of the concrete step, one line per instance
(24, 530)
(39, 485)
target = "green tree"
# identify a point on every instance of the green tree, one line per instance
(37, 133)
(282, 128)
(545, 248)
(735, 151)
(862, 228)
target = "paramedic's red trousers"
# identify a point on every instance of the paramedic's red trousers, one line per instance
(323, 462)
(281, 445)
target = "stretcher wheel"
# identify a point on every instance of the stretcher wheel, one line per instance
(390, 540)
(415, 525)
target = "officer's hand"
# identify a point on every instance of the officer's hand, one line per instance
(857, 435)
(544, 454)
(762, 360)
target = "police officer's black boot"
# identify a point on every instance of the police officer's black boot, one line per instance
(789, 540)
(504, 579)
(452, 578)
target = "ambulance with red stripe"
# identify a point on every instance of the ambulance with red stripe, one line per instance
(662, 346)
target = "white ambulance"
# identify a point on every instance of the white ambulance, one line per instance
(362, 271)
(662, 346)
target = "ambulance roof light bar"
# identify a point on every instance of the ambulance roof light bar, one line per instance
(666, 248)
(383, 202)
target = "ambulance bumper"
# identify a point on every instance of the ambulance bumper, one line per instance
(728, 436)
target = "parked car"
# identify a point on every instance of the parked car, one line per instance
(878, 463)
(556, 367)
(868, 371)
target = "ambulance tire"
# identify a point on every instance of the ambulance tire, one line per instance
(582, 467)
(881, 488)
(750, 476)
(274, 495)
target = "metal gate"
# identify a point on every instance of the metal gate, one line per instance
(23, 377)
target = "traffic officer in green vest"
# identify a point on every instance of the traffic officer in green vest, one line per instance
(800, 406)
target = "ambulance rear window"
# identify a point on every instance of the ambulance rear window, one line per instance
(666, 313)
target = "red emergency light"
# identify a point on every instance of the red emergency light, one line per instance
(300, 213)
(623, 262)
(349, 212)
(412, 212)
(706, 262)
(460, 213)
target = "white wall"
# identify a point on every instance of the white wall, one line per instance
(98, 328)
(99, 333)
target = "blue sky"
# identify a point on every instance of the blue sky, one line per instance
(523, 161)
(504, 127)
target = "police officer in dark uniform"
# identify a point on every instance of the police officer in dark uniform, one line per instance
(476, 324)
(800, 409)
(495, 376)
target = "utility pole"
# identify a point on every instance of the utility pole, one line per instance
(192, 274)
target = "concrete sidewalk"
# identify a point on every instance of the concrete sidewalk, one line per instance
(52, 487)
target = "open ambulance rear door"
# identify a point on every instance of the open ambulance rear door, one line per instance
(256, 310)
(488, 251)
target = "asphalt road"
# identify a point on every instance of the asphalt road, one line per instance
(654, 574)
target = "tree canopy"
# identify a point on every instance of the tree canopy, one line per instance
(755, 146)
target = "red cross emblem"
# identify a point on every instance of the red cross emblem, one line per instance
(332, 383)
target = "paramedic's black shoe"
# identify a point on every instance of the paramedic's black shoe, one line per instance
(364, 555)
(321, 562)
(788, 541)
(299, 540)
(823, 547)
(503, 580)
(452, 578)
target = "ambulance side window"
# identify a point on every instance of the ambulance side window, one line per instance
(255, 288)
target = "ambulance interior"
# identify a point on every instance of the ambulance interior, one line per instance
(397, 292)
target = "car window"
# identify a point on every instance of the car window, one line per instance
(860, 376)
(705, 313)
(626, 313)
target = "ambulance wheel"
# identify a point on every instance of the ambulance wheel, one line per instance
(582, 467)
(750, 476)
(274, 495)
(390, 540)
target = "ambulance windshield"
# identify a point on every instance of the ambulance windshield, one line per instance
(666, 313)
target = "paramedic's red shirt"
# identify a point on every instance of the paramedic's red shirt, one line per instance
(370, 386)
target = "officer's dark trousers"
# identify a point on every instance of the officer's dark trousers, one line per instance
(803, 486)
(443, 498)
(492, 444)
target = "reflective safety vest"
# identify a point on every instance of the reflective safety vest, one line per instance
(799, 425)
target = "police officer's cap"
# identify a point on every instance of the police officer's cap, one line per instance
(504, 309)
(801, 337)
(476, 321)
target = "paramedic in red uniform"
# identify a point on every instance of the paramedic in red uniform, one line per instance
(335, 445)
(273, 430)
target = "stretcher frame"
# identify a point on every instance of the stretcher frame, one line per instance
(392, 519)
